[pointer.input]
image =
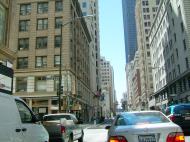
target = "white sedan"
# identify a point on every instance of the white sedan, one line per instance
(144, 126)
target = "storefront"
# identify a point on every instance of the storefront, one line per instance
(6, 79)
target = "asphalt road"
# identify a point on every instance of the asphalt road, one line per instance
(95, 134)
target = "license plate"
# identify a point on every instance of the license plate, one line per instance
(147, 138)
(187, 118)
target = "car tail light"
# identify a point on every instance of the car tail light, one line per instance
(117, 139)
(63, 129)
(172, 117)
(175, 137)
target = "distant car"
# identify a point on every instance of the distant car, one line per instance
(180, 114)
(144, 126)
(63, 132)
(108, 121)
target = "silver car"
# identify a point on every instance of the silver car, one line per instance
(144, 126)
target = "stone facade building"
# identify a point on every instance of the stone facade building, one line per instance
(37, 38)
(170, 48)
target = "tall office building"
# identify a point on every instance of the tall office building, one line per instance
(90, 7)
(129, 28)
(36, 35)
(133, 85)
(108, 88)
(145, 13)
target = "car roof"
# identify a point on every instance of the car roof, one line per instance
(182, 104)
(130, 112)
(58, 114)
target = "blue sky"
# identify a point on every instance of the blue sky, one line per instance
(112, 40)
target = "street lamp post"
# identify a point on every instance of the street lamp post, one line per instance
(60, 87)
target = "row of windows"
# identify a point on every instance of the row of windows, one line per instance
(41, 42)
(42, 24)
(41, 62)
(180, 86)
(42, 7)
(40, 83)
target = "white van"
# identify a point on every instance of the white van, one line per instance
(18, 123)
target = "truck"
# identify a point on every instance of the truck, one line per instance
(18, 123)
(63, 127)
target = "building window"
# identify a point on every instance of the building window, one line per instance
(3, 24)
(157, 2)
(180, 86)
(40, 83)
(25, 9)
(24, 25)
(42, 24)
(179, 71)
(184, 44)
(145, 3)
(41, 42)
(42, 7)
(57, 41)
(41, 61)
(56, 83)
(184, 84)
(177, 52)
(182, 27)
(56, 60)
(21, 84)
(23, 44)
(189, 82)
(148, 54)
(84, 13)
(59, 6)
(179, 10)
(173, 23)
(22, 62)
(58, 22)
(187, 63)
(84, 4)
(175, 38)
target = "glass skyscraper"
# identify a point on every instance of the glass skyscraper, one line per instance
(129, 28)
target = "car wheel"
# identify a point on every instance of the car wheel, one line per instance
(81, 138)
(70, 139)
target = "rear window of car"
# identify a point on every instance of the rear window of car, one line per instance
(183, 109)
(145, 118)
(56, 117)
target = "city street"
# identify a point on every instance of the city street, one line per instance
(95, 134)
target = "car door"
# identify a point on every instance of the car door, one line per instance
(9, 121)
(31, 131)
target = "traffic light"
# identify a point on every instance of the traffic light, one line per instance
(61, 90)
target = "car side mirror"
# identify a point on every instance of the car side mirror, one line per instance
(36, 118)
(108, 127)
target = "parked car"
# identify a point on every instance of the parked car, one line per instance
(63, 131)
(144, 126)
(18, 123)
(180, 114)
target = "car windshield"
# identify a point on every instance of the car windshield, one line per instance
(183, 109)
(145, 118)
(56, 117)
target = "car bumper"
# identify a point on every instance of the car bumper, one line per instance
(187, 138)
(58, 139)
